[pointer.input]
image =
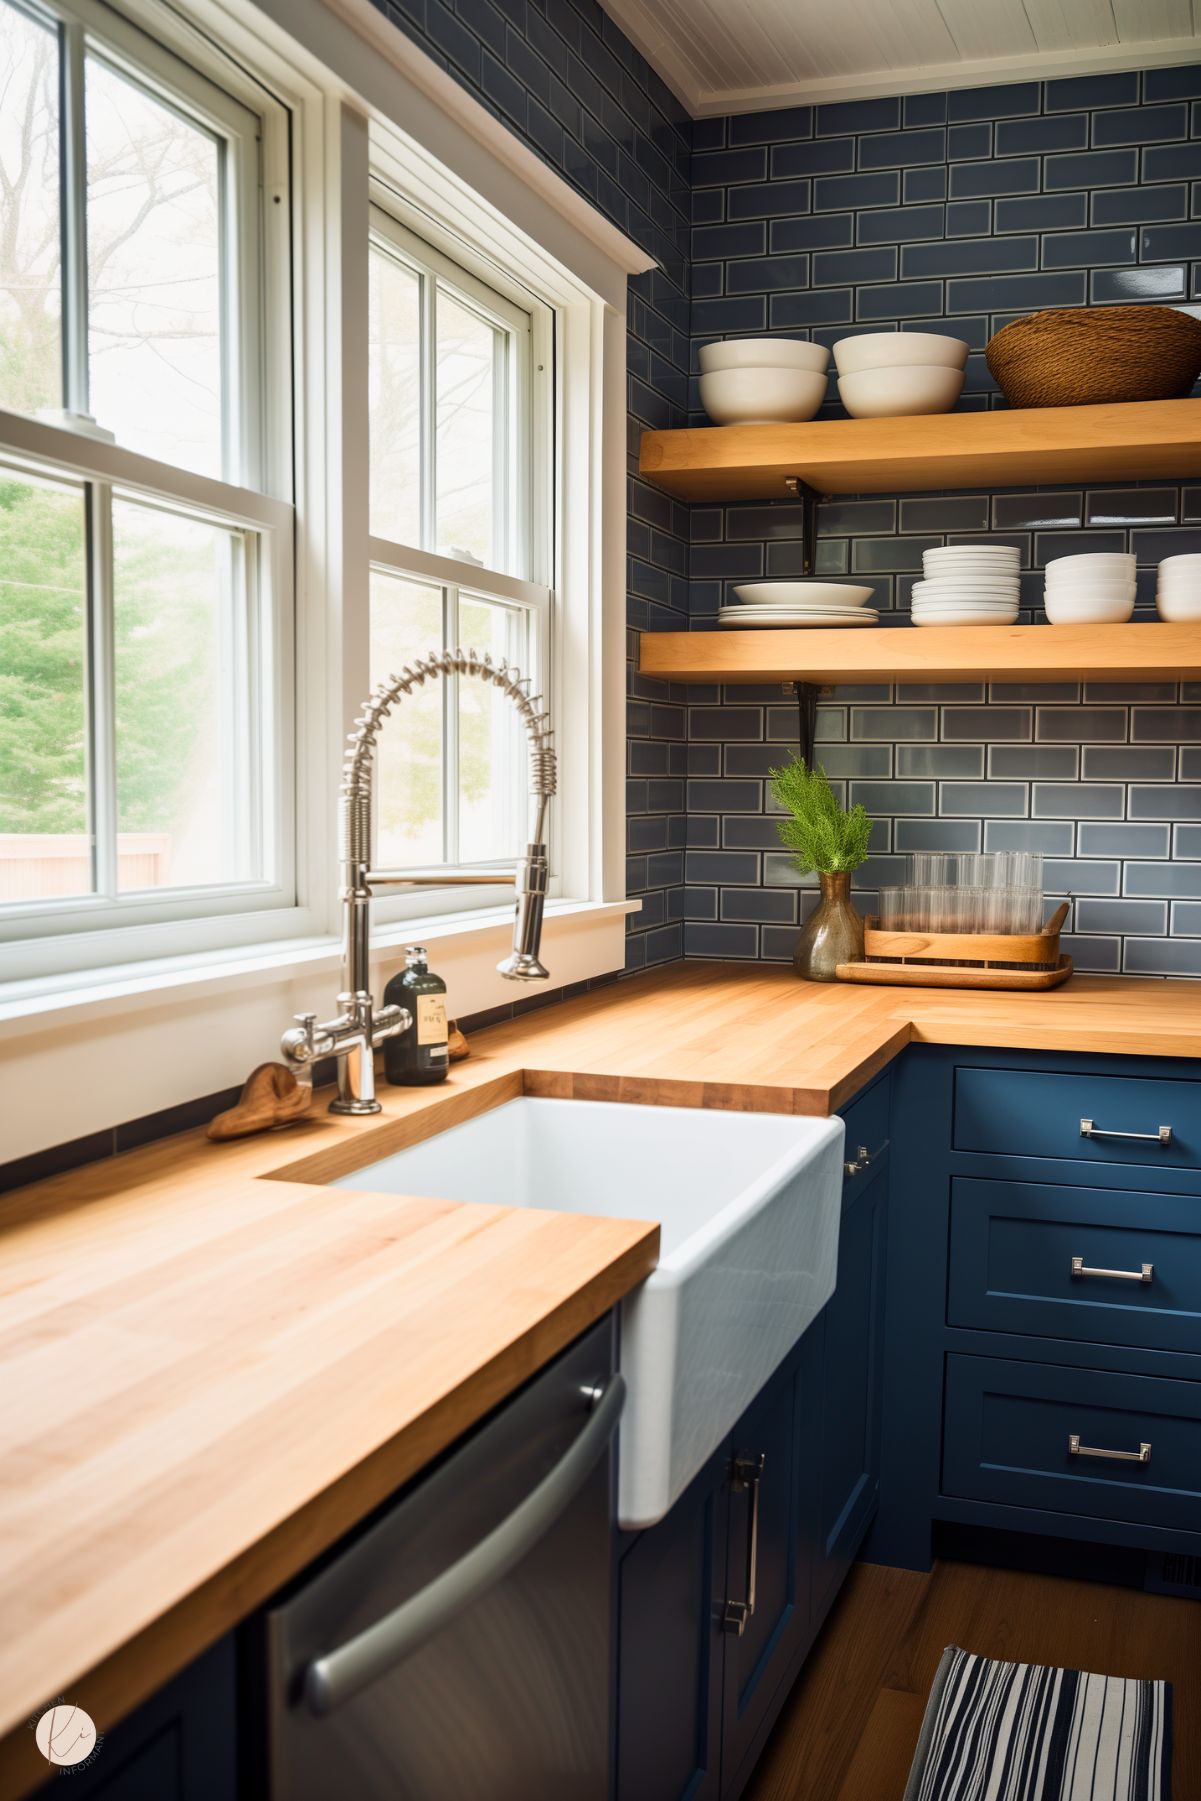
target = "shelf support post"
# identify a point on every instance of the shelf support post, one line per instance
(806, 700)
(809, 498)
(806, 692)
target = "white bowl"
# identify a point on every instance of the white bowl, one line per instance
(1087, 609)
(896, 349)
(1179, 608)
(1189, 561)
(764, 353)
(1085, 591)
(1100, 562)
(900, 393)
(803, 593)
(762, 396)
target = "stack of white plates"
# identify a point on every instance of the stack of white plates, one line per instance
(968, 584)
(1178, 596)
(1097, 589)
(799, 603)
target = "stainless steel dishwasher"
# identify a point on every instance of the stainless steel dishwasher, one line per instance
(459, 1649)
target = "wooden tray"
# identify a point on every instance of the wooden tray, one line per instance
(933, 975)
(971, 947)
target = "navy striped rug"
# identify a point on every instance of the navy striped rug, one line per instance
(1017, 1732)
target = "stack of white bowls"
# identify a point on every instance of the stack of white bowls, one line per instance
(1096, 589)
(968, 584)
(1178, 596)
(889, 374)
(761, 381)
(801, 603)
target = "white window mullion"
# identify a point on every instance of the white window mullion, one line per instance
(502, 454)
(450, 733)
(429, 413)
(73, 226)
(102, 734)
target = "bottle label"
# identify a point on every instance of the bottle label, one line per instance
(431, 1019)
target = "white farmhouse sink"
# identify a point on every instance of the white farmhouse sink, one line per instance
(749, 1207)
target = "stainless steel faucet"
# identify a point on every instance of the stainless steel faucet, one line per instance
(360, 1028)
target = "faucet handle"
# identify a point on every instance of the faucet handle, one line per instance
(301, 1047)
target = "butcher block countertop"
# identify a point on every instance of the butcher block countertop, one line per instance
(212, 1366)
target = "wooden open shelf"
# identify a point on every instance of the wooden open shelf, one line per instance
(1131, 442)
(944, 653)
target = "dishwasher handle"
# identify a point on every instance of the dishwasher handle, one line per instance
(337, 1677)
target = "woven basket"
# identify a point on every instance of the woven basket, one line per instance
(1081, 355)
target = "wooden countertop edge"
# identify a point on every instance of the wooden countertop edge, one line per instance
(134, 1670)
(829, 1043)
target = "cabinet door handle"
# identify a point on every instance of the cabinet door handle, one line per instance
(863, 1159)
(1081, 1268)
(1076, 1449)
(746, 1476)
(1162, 1135)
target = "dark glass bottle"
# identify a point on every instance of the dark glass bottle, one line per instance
(419, 1056)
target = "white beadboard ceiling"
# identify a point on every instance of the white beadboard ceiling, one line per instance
(731, 56)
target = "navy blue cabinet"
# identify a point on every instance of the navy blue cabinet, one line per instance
(181, 1745)
(781, 1511)
(852, 1329)
(671, 1601)
(771, 1514)
(1043, 1316)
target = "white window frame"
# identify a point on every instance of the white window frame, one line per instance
(178, 65)
(353, 92)
(529, 546)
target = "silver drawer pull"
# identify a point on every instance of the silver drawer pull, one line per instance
(1076, 1449)
(1081, 1268)
(863, 1159)
(1162, 1136)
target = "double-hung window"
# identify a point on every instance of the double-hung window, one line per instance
(461, 544)
(145, 543)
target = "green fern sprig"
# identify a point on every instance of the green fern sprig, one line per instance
(820, 834)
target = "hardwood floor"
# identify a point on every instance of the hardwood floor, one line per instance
(849, 1729)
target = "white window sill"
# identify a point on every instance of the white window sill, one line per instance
(95, 994)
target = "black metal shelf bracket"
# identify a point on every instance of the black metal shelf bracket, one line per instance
(806, 692)
(806, 700)
(809, 498)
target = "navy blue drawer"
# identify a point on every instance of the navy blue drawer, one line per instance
(1035, 1113)
(1012, 1248)
(1007, 1436)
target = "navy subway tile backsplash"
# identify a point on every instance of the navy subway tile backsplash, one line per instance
(952, 212)
(1010, 198)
